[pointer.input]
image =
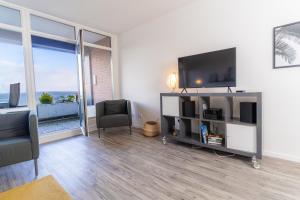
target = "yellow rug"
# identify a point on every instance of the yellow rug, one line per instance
(46, 188)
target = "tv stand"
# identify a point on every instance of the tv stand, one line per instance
(184, 90)
(239, 138)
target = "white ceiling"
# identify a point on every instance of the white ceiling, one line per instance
(115, 16)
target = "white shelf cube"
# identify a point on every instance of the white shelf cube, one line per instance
(241, 137)
(170, 106)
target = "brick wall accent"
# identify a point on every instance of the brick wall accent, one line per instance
(101, 67)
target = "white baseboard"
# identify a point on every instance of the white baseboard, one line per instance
(59, 135)
(137, 123)
(282, 156)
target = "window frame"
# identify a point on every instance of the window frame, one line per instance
(25, 30)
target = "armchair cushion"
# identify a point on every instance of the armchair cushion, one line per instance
(14, 124)
(115, 120)
(113, 107)
(14, 150)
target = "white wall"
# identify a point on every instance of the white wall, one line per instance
(149, 53)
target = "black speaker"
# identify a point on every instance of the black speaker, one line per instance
(213, 113)
(248, 112)
(188, 108)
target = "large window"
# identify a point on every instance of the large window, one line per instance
(12, 77)
(38, 54)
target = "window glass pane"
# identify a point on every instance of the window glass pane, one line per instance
(12, 70)
(52, 27)
(56, 82)
(95, 38)
(55, 65)
(44, 43)
(10, 16)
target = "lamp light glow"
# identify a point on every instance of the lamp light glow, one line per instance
(198, 81)
(172, 81)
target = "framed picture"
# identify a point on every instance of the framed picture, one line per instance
(286, 47)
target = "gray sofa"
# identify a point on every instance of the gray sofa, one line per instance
(113, 113)
(19, 139)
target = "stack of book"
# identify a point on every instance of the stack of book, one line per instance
(215, 139)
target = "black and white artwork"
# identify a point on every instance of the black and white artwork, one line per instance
(287, 46)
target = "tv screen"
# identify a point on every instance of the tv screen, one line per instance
(213, 69)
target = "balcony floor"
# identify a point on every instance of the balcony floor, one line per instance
(48, 127)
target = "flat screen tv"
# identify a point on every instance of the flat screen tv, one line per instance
(212, 69)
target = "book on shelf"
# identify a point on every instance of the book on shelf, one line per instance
(214, 143)
(204, 133)
(215, 139)
(210, 138)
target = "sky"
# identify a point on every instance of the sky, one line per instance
(54, 70)
(11, 66)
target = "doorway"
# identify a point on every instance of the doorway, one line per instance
(56, 82)
(70, 79)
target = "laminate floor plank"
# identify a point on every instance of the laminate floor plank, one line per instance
(123, 166)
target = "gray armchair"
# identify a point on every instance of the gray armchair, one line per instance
(19, 139)
(113, 113)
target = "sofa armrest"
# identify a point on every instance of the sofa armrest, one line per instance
(34, 134)
(99, 112)
(129, 112)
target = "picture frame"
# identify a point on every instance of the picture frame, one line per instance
(286, 46)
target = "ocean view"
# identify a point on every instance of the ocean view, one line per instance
(23, 98)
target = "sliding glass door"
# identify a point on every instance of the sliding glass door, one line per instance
(56, 70)
(56, 96)
(97, 73)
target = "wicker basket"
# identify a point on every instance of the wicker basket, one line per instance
(151, 129)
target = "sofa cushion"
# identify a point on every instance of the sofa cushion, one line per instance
(113, 107)
(14, 124)
(14, 150)
(114, 120)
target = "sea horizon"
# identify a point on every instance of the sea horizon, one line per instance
(4, 97)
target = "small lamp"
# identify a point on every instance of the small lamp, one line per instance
(172, 81)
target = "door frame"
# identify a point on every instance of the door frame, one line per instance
(82, 86)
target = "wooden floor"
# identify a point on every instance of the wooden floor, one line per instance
(120, 166)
